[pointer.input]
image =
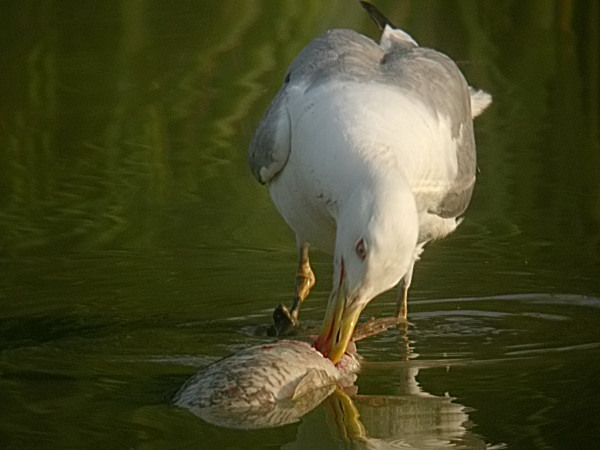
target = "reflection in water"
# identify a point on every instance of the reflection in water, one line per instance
(268, 415)
(469, 348)
(267, 385)
(127, 211)
(412, 418)
(233, 393)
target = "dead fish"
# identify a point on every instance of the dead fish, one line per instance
(266, 385)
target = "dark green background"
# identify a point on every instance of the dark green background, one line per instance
(133, 237)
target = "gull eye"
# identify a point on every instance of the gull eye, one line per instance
(361, 249)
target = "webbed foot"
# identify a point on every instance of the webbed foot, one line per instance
(283, 322)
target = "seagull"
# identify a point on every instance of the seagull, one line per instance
(368, 154)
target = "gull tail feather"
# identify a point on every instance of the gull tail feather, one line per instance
(480, 100)
(377, 15)
(392, 37)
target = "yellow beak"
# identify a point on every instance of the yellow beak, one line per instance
(338, 325)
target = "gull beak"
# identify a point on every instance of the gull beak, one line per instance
(338, 326)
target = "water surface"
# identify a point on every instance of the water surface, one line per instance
(135, 246)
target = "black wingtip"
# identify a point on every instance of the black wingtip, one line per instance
(377, 15)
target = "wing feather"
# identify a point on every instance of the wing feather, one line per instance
(270, 146)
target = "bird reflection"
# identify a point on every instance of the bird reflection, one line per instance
(411, 418)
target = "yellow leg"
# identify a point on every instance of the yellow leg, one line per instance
(305, 280)
(402, 303)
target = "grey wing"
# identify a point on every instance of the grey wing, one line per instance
(454, 96)
(270, 146)
(334, 54)
(458, 196)
(436, 80)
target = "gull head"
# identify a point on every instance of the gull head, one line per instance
(376, 237)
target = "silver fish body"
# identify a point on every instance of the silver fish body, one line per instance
(265, 385)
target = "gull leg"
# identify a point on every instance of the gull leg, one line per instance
(284, 319)
(402, 302)
(305, 280)
(374, 326)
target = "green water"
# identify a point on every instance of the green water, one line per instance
(135, 246)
